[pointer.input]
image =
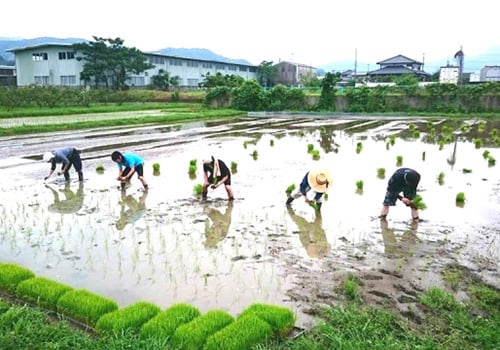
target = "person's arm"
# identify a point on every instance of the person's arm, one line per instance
(217, 184)
(129, 175)
(65, 162)
(304, 185)
(52, 168)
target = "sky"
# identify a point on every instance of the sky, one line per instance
(313, 32)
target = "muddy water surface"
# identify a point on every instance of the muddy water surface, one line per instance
(167, 245)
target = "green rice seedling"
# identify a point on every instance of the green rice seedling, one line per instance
(192, 169)
(359, 147)
(486, 154)
(310, 148)
(11, 275)
(302, 133)
(440, 178)
(193, 335)
(290, 189)
(131, 318)
(315, 154)
(478, 142)
(156, 166)
(281, 319)
(325, 196)
(416, 134)
(350, 288)
(491, 161)
(245, 144)
(392, 140)
(419, 203)
(193, 162)
(246, 332)
(464, 128)
(460, 198)
(271, 142)
(198, 189)
(423, 156)
(399, 160)
(494, 132)
(255, 154)
(234, 167)
(441, 144)
(411, 126)
(466, 171)
(99, 168)
(359, 185)
(164, 324)
(85, 306)
(481, 126)
(381, 173)
(43, 291)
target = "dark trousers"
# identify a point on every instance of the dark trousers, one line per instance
(76, 161)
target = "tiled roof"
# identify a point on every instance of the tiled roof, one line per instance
(397, 70)
(399, 59)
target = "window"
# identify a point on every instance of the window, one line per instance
(206, 65)
(192, 64)
(40, 56)
(231, 67)
(175, 62)
(68, 55)
(192, 82)
(68, 80)
(137, 81)
(42, 80)
(157, 60)
(220, 66)
(243, 69)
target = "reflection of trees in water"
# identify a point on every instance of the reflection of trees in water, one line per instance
(311, 234)
(72, 201)
(401, 246)
(217, 225)
(131, 209)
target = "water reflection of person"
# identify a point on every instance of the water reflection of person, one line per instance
(72, 201)
(131, 209)
(399, 246)
(311, 234)
(217, 225)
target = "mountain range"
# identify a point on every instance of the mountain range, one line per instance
(471, 63)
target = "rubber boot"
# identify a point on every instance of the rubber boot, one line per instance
(289, 200)
(66, 176)
(204, 195)
(80, 176)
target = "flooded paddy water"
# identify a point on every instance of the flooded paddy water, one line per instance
(168, 246)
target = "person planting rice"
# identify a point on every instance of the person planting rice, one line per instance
(317, 181)
(129, 164)
(216, 173)
(68, 156)
(403, 180)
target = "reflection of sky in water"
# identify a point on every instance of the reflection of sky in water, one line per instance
(163, 255)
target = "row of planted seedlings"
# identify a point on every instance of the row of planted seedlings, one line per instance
(182, 324)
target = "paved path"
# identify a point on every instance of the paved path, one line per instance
(65, 119)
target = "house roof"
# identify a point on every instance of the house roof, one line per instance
(397, 70)
(38, 46)
(399, 59)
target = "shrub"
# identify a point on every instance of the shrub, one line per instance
(131, 318)
(192, 335)
(281, 319)
(11, 275)
(165, 323)
(244, 333)
(85, 306)
(43, 291)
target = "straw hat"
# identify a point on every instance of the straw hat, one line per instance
(47, 156)
(320, 179)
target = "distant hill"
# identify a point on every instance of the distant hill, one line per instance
(7, 58)
(202, 54)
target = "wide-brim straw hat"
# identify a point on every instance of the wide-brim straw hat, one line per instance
(320, 179)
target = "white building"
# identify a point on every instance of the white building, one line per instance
(55, 64)
(489, 73)
(449, 74)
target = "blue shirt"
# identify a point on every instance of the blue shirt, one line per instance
(130, 160)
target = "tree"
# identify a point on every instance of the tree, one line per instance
(327, 98)
(108, 63)
(163, 80)
(218, 80)
(266, 71)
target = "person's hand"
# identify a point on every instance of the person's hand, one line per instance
(213, 187)
(307, 200)
(406, 201)
(59, 173)
(45, 178)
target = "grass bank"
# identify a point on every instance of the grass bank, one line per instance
(447, 324)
